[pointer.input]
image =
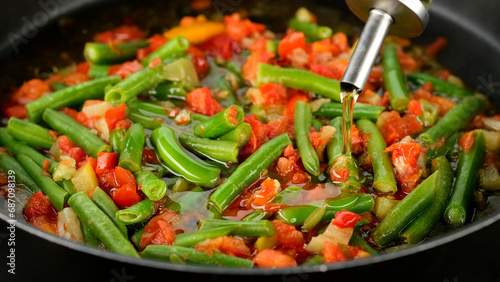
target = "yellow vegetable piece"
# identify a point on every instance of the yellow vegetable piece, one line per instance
(85, 179)
(196, 32)
(266, 242)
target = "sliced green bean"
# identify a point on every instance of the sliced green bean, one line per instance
(30, 133)
(455, 119)
(312, 31)
(152, 186)
(131, 153)
(175, 46)
(393, 79)
(81, 135)
(299, 79)
(88, 235)
(469, 163)
(56, 194)
(8, 163)
(405, 211)
(240, 134)
(180, 162)
(137, 213)
(335, 148)
(104, 53)
(101, 225)
(444, 88)
(170, 90)
(190, 239)
(254, 228)
(106, 204)
(357, 240)
(332, 110)
(68, 186)
(448, 147)
(218, 150)
(302, 126)
(249, 171)
(117, 139)
(190, 255)
(221, 123)
(136, 238)
(384, 180)
(98, 71)
(423, 225)
(70, 96)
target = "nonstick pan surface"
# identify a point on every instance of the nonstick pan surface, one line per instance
(471, 253)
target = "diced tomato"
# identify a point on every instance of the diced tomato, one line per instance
(72, 113)
(326, 71)
(259, 45)
(114, 115)
(200, 101)
(444, 104)
(11, 109)
(39, 204)
(288, 236)
(125, 69)
(414, 108)
(406, 61)
(293, 97)
(105, 162)
(107, 181)
(198, 58)
(404, 159)
(332, 253)
(340, 174)
(124, 123)
(75, 78)
(124, 177)
(125, 196)
(273, 93)
(239, 28)
(269, 258)
(436, 46)
(291, 42)
(267, 192)
(159, 230)
(279, 126)
(119, 34)
(467, 140)
(227, 245)
(71, 150)
(149, 157)
(221, 45)
(345, 219)
(30, 91)
(250, 67)
(250, 147)
(83, 67)
(394, 127)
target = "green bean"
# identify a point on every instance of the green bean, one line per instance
(249, 171)
(134, 84)
(315, 260)
(117, 139)
(104, 53)
(101, 225)
(131, 154)
(88, 235)
(180, 162)
(332, 110)
(148, 108)
(302, 125)
(199, 117)
(299, 79)
(175, 46)
(190, 255)
(137, 213)
(136, 238)
(82, 136)
(8, 163)
(444, 88)
(448, 147)
(218, 150)
(152, 186)
(241, 134)
(106, 204)
(384, 180)
(254, 228)
(358, 203)
(29, 133)
(357, 240)
(393, 79)
(221, 123)
(335, 148)
(354, 179)
(316, 124)
(405, 211)
(56, 86)
(190, 239)
(422, 226)
(56, 194)
(98, 71)
(272, 46)
(312, 31)
(70, 96)
(68, 186)
(455, 119)
(170, 90)
(148, 122)
(17, 148)
(466, 176)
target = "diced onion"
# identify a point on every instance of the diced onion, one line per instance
(102, 128)
(383, 206)
(492, 124)
(66, 169)
(492, 140)
(68, 225)
(97, 109)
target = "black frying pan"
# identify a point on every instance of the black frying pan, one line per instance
(471, 253)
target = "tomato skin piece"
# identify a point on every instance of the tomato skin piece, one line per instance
(345, 219)
(332, 253)
(291, 42)
(105, 162)
(159, 230)
(467, 140)
(125, 196)
(269, 258)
